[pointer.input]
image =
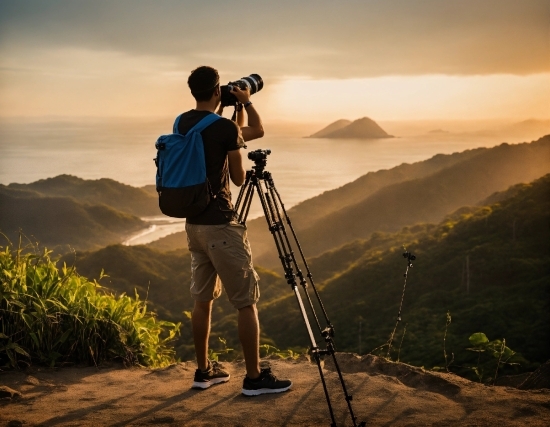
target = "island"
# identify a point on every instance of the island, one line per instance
(363, 128)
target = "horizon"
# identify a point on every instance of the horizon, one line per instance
(519, 128)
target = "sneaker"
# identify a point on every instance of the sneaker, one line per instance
(265, 383)
(213, 375)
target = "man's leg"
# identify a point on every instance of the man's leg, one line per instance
(256, 382)
(201, 331)
(249, 335)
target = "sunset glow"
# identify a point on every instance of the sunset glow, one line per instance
(459, 61)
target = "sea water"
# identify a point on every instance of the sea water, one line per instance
(123, 150)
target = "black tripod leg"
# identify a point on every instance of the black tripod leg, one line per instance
(287, 258)
(329, 331)
(276, 203)
(242, 191)
(245, 197)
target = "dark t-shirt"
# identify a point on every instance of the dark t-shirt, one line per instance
(220, 137)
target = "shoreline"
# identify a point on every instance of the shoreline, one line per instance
(160, 226)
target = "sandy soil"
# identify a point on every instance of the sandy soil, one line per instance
(384, 394)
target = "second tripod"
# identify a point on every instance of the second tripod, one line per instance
(260, 181)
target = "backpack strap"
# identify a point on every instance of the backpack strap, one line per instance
(176, 124)
(200, 126)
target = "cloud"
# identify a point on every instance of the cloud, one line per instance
(317, 38)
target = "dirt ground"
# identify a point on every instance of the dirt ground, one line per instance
(384, 394)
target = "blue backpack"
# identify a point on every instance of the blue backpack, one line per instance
(182, 184)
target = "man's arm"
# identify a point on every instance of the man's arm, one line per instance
(240, 115)
(255, 128)
(236, 170)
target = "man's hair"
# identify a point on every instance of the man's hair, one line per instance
(202, 82)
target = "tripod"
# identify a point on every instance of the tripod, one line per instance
(261, 181)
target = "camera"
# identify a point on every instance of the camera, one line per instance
(258, 155)
(254, 82)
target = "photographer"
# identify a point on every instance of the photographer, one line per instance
(220, 251)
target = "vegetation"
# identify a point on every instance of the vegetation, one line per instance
(104, 191)
(488, 266)
(85, 214)
(165, 278)
(56, 317)
(62, 221)
(496, 350)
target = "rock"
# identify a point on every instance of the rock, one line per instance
(7, 393)
(32, 380)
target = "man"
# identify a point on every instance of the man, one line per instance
(220, 252)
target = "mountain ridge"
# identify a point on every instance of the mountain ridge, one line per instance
(503, 246)
(61, 221)
(106, 191)
(426, 199)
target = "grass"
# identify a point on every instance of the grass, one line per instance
(56, 317)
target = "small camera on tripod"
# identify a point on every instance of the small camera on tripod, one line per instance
(258, 155)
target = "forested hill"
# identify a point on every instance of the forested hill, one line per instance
(67, 211)
(104, 191)
(488, 267)
(61, 223)
(416, 198)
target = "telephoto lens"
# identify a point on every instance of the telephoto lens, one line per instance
(254, 82)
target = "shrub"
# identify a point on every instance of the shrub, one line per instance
(55, 317)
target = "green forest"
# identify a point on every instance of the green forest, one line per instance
(477, 295)
(487, 267)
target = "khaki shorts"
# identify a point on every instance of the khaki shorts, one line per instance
(220, 254)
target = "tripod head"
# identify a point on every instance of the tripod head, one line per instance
(259, 157)
(410, 257)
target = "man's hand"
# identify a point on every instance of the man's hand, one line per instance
(243, 96)
(255, 128)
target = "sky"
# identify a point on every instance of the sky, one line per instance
(320, 60)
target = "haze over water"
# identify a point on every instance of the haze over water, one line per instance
(123, 149)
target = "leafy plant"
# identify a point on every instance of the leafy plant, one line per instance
(55, 316)
(283, 354)
(215, 355)
(495, 349)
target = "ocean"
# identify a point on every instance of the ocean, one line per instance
(123, 149)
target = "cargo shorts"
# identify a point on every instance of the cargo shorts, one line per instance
(221, 255)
